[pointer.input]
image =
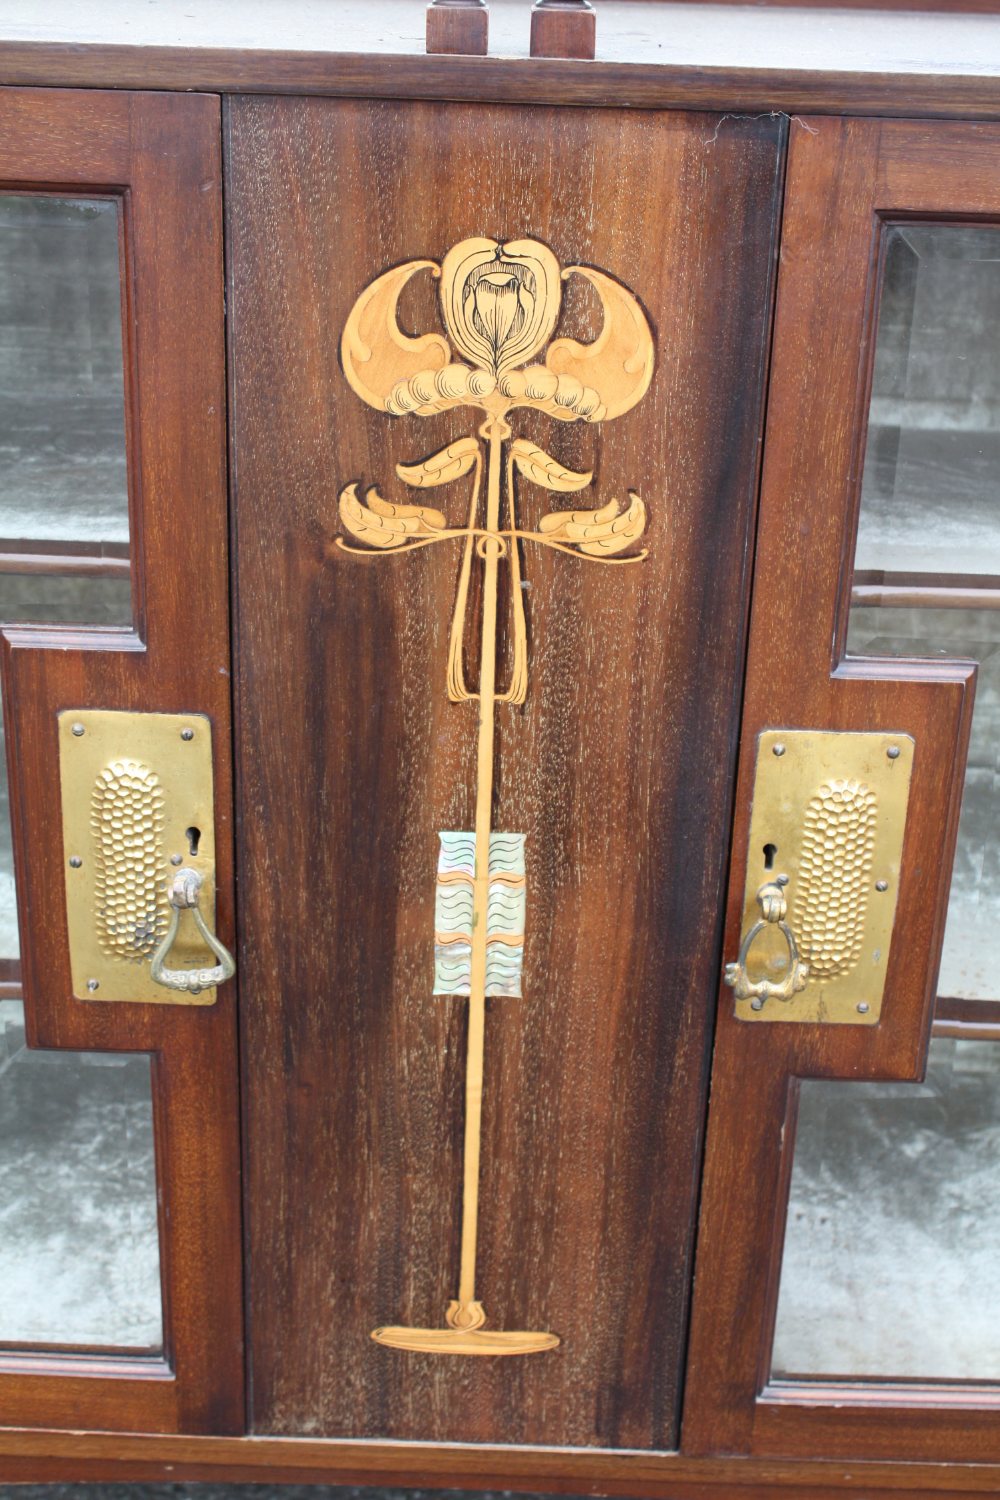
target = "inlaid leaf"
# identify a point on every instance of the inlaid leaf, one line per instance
(442, 467)
(541, 468)
(599, 533)
(378, 523)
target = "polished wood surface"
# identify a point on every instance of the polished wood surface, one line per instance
(563, 28)
(352, 758)
(76, 1456)
(458, 26)
(846, 179)
(645, 85)
(163, 154)
(651, 55)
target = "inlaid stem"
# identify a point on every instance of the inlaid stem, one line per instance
(492, 548)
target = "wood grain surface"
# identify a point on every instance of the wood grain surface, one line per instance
(957, 85)
(618, 768)
(563, 28)
(146, 1458)
(846, 180)
(161, 156)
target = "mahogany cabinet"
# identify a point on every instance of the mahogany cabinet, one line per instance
(506, 552)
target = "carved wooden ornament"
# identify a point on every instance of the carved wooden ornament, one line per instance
(500, 304)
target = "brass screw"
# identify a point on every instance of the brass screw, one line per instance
(176, 859)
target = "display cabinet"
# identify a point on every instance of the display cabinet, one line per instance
(498, 591)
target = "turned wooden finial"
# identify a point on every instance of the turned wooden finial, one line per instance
(458, 26)
(563, 28)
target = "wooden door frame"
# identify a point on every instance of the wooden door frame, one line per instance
(847, 180)
(160, 157)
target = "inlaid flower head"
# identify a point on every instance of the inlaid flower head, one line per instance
(500, 303)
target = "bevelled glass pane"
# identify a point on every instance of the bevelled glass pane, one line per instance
(50, 598)
(62, 405)
(890, 1266)
(79, 1240)
(79, 1247)
(890, 1260)
(930, 519)
(930, 487)
(63, 472)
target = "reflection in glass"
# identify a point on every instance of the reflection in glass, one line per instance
(79, 1261)
(63, 480)
(893, 1228)
(48, 598)
(79, 1240)
(930, 518)
(932, 464)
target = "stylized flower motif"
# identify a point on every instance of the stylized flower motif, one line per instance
(500, 304)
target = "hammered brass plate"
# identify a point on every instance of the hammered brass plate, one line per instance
(137, 791)
(829, 812)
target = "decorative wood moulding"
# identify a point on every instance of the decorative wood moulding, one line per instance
(563, 28)
(458, 26)
(500, 303)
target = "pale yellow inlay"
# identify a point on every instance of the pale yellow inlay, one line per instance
(500, 304)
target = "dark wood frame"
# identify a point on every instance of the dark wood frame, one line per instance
(538, 80)
(160, 157)
(846, 180)
(40, 1456)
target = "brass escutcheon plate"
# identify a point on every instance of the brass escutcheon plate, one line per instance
(829, 812)
(137, 802)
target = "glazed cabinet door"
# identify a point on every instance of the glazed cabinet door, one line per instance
(497, 394)
(120, 1281)
(846, 1299)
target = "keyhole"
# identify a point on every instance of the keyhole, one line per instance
(770, 850)
(194, 839)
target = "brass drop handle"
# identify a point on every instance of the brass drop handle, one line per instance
(184, 893)
(773, 910)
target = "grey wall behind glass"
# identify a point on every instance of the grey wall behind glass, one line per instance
(931, 489)
(63, 474)
(893, 1224)
(79, 1238)
(930, 518)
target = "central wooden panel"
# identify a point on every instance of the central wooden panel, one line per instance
(618, 768)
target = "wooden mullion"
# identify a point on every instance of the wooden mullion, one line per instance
(64, 565)
(910, 596)
(975, 1020)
